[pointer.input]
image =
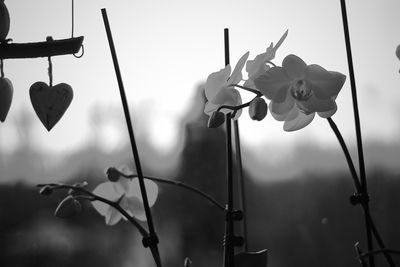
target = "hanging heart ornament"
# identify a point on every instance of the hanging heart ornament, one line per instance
(50, 102)
(6, 94)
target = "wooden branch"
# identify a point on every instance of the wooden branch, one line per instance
(41, 49)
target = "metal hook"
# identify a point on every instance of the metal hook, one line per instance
(83, 52)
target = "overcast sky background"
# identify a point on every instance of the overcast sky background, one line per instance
(167, 48)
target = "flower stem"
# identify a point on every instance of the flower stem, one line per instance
(235, 108)
(182, 185)
(229, 225)
(254, 91)
(346, 154)
(367, 215)
(94, 197)
(242, 191)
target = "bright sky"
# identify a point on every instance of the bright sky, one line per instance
(166, 48)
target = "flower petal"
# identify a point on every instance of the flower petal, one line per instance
(289, 115)
(279, 43)
(225, 96)
(282, 107)
(112, 216)
(301, 121)
(325, 84)
(151, 189)
(105, 190)
(294, 66)
(210, 108)
(273, 84)
(215, 81)
(121, 186)
(258, 66)
(236, 76)
(134, 198)
(329, 113)
(313, 104)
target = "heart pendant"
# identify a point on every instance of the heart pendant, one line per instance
(6, 94)
(50, 102)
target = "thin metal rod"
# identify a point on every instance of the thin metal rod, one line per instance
(242, 185)
(135, 152)
(357, 125)
(229, 230)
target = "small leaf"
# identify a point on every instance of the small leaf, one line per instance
(258, 109)
(68, 207)
(216, 119)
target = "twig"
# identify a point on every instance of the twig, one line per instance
(367, 215)
(182, 185)
(95, 197)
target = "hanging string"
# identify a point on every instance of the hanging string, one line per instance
(1, 68)
(50, 72)
(72, 19)
(73, 27)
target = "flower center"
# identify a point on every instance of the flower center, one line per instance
(301, 90)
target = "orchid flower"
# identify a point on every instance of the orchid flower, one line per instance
(258, 65)
(298, 90)
(127, 193)
(219, 88)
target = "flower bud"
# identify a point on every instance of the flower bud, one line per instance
(187, 262)
(258, 109)
(216, 119)
(46, 190)
(68, 207)
(113, 174)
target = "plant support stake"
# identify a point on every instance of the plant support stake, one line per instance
(363, 181)
(152, 240)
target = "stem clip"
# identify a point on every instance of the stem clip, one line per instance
(359, 198)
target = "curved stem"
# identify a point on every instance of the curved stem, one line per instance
(236, 108)
(367, 215)
(272, 63)
(95, 197)
(182, 185)
(346, 154)
(254, 91)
